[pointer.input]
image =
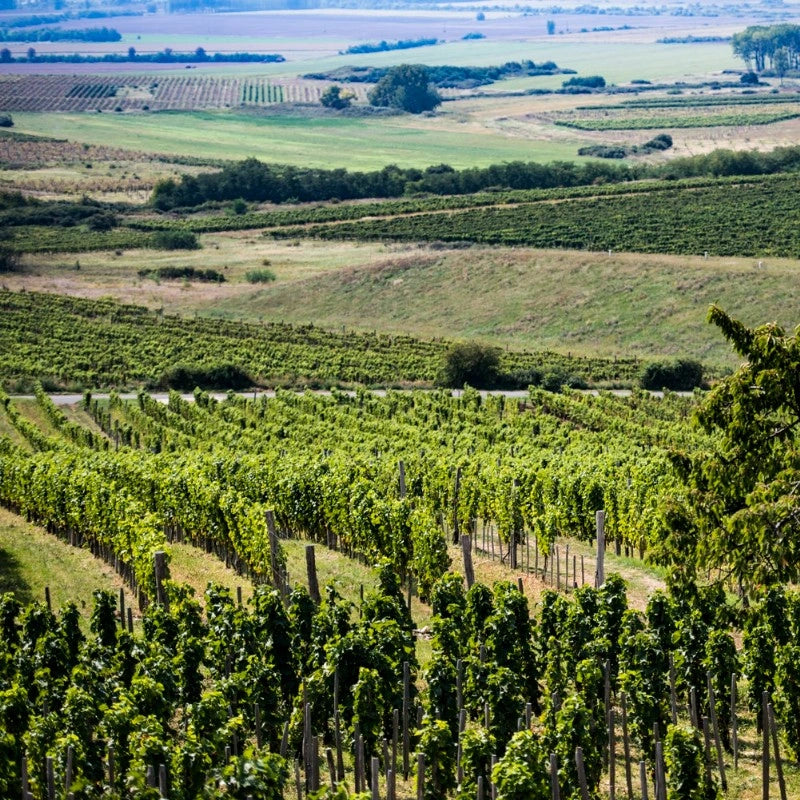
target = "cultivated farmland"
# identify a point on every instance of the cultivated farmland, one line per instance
(146, 92)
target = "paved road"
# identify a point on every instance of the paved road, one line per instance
(162, 397)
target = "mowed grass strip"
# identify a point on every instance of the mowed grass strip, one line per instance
(32, 559)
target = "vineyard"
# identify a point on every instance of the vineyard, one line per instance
(316, 213)
(666, 115)
(690, 216)
(700, 101)
(654, 219)
(581, 696)
(104, 344)
(148, 93)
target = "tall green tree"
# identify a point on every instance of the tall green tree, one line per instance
(739, 510)
(406, 87)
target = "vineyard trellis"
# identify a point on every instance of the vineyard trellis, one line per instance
(141, 92)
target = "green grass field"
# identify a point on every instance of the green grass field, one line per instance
(587, 303)
(332, 142)
(618, 62)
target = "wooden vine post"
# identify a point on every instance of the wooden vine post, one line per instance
(600, 522)
(311, 568)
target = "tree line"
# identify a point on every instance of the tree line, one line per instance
(254, 180)
(165, 56)
(446, 76)
(59, 35)
(775, 45)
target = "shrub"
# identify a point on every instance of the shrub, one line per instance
(555, 380)
(588, 82)
(470, 363)
(663, 141)
(175, 240)
(260, 276)
(681, 375)
(101, 222)
(333, 97)
(604, 151)
(406, 86)
(6, 121)
(185, 273)
(9, 260)
(187, 377)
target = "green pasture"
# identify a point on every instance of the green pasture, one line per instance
(618, 62)
(321, 142)
(623, 304)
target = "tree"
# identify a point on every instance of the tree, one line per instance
(472, 363)
(5, 55)
(780, 62)
(407, 87)
(334, 97)
(551, 27)
(738, 506)
(131, 53)
(6, 121)
(31, 54)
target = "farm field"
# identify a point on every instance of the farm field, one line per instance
(281, 139)
(326, 143)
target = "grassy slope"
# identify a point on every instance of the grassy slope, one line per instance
(589, 303)
(581, 302)
(31, 559)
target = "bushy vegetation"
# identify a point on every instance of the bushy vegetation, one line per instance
(259, 276)
(254, 180)
(334, 97)
(166, 56)
(175, 240)
(658, 143)
(681, 375)
(585, 82)
(384, 46)
(446, 76)
(183, 273)
(470, 363)
(187, 377)
(61, 35)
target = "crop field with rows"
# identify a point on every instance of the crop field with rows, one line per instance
(141, 346)
(667, 116)
(146, 92)
(664, 220)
